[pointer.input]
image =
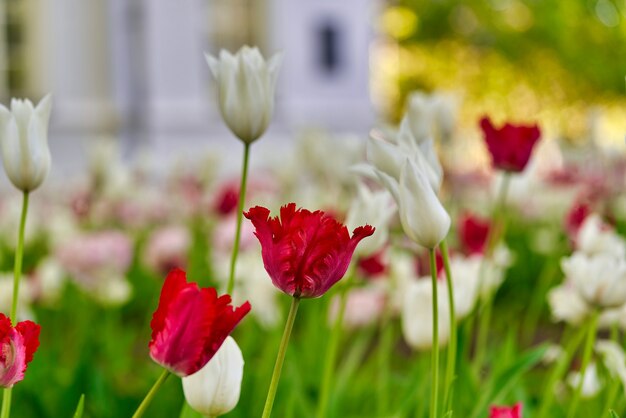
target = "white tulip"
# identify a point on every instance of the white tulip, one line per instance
(417, 314)
(591, 381)
(24, 142)
(373, 208)
(387, 156)
(423, 218)
(246, 84)
(596, 237)
(567, 305)
(600, 279)
(214, 389)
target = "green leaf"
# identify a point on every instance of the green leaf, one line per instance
(613, 413)
(81, 407)
(500, 384)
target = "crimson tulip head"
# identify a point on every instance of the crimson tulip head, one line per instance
(304, 252)
(514, 411)
(510, 146)
(17, 348)
(473, 233)
(190, 324)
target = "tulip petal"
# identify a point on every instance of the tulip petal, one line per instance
(422, 216)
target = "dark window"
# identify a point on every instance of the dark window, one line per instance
(329, 37)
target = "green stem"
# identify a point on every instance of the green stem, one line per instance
(280, 358)
(484, 319)
(558, 370)
(6, 403)
(451, 360)
(17, 275)
(495, 233)
(615, 386)
(151, 394)
(591, 339)
(242, 199)
(434, 387)
(331, 351)
(19, 255)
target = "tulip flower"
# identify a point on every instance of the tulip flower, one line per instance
(417, 314)
(214, 389)
(423, 218)
(24, 142)
(373, 208)
(190, 324)
(246, 84)
(473, 234)
(304, 252)
(599, 279)
(510, 146)
(514, 411)
(17, 347)
(596, 237)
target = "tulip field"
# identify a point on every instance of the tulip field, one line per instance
(358, 278)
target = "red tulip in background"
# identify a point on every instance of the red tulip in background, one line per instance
(473, 233)
(304, 252)
(17, 348)
(506, 411)
(510, 146)
(190, 324)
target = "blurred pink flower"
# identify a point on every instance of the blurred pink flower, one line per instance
(364, 306)
(224, 234)
(167, 248)
(107, 249)
(98, 263)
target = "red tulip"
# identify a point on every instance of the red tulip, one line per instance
(304, 252)
(506, 411)
(510, 146)
(17, 348)
(373, 266)
(190, 324)
(473, 233)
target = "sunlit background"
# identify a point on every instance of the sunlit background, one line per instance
(133, 71)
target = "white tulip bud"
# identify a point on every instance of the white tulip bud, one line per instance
(214, 389)
(246, 84)
(423, 217)
(24, 142)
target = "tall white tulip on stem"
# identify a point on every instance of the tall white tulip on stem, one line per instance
(26, 158)
(426, 222)
(214, 390)
(245, 84)
(24, 142)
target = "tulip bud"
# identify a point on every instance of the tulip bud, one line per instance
(423, 217)
(214, 389)
(24, 142)
(246, 84)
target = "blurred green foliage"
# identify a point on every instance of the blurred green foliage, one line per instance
(587, 37)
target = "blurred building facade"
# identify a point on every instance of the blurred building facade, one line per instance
(137, 66)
